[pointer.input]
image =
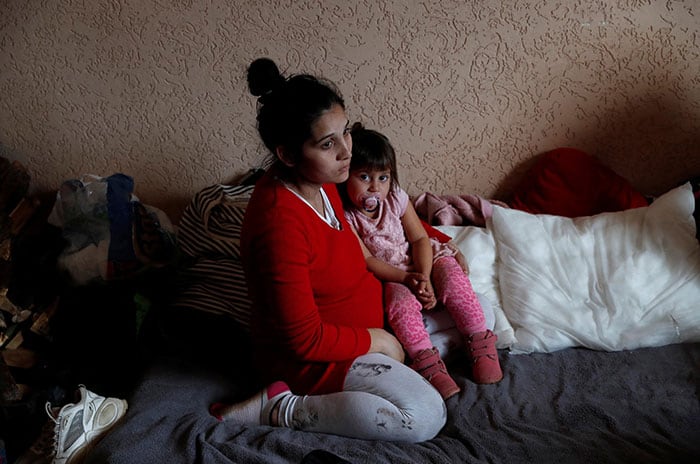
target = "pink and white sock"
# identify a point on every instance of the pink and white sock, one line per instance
(259, 408)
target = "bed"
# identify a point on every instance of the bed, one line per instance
(601, 357)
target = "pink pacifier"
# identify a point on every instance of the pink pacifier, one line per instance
(370, 202)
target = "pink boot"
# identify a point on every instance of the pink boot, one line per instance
(428, 364)
(482, 350)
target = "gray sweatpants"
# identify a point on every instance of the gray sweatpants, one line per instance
(382, 399)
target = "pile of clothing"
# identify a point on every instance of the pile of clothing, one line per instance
(110, 234)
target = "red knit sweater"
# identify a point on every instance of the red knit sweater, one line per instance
(313, 297)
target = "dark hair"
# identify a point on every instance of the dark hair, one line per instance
(288, 107)
(373, 151)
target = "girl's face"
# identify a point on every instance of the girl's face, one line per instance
(325, 156)
(368, 188)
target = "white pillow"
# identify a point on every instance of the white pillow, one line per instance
(610, 282)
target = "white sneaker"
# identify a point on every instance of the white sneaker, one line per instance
(81, 424)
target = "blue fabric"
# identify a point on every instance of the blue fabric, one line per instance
(119, 190)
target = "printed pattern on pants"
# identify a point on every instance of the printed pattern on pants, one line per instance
(454, 290)
(405, 318)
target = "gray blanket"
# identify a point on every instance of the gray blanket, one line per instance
(572, 406)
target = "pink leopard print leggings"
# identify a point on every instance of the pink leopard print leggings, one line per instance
(453, 290)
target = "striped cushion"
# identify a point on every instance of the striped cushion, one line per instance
(209, 236)
(211, 224)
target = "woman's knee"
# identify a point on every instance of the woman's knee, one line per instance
(418, 412)
(430, 418)
(425, 407)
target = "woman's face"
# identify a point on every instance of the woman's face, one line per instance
(325, 156)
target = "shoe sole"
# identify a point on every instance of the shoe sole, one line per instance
(95, 436)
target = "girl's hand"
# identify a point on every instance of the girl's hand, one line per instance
(427, 298)
(416, 282)
(384, 342)
(420, 286)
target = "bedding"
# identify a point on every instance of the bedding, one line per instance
(569, 405)
(609, 282)
(613, 281)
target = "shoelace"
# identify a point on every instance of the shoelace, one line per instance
(49, 412)
(56, 427)
(63, 427)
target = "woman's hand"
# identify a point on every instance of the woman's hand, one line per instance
(459, 256)
(384, 342)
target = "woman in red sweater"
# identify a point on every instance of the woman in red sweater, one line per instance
(317, 318)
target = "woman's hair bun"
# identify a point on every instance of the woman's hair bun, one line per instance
(263, 76)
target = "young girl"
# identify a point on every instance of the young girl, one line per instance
(399, 252)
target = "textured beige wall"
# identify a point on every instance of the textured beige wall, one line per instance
(468, 91)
